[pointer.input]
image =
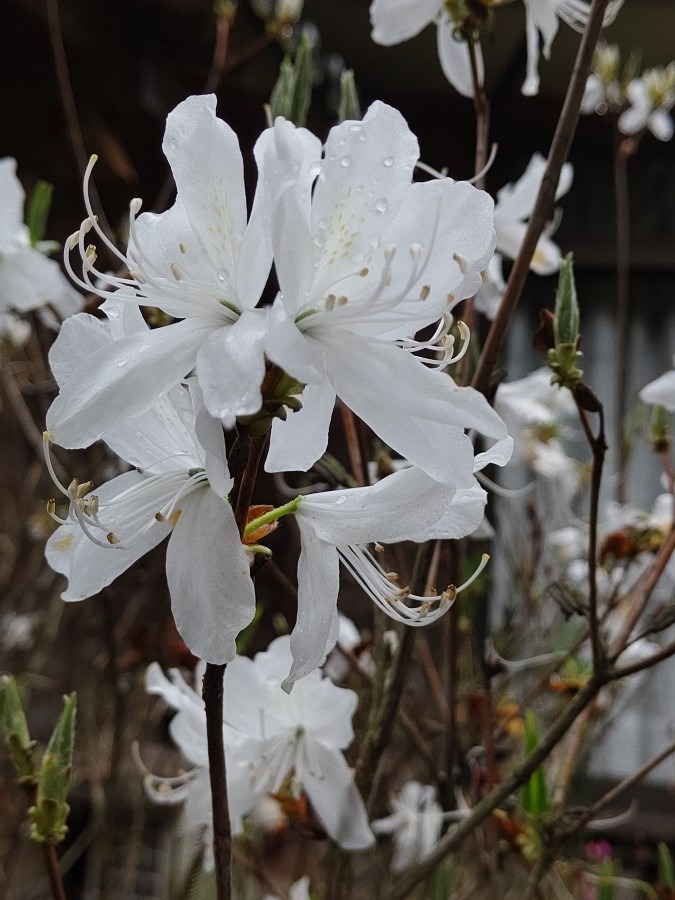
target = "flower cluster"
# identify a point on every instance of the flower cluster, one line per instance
(641, 102)
(365, 259)
(276, 744)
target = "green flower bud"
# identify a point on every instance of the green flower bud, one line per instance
(37, 213)
(292, 93)
(21, 749)
(50, 812)
(349, 106)
(659, 430)
(563, 356)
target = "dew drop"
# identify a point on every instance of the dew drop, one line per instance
(346, 162)
(319, 241)
(173, 145)
(112, 312)
(322, 224)
(222, 278)
(122, 361)
(355, 127)
(381, 205)
(388, 161)
(362, 138)
(341, 500)
(342, 142)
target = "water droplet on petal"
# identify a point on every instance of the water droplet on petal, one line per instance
(319, 241)
(388, 161)
(112, 312)
(381, 205)
(173, 145)
(355, 127)
(122, 361)
(322, 224)
(346, 162)
(362, 138)
(342, 142)
(222, 277)
(341, 500)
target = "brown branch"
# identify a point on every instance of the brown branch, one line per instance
(212, 692)
(53, 871)
(541, 213)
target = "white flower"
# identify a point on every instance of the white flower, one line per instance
(199, 262)
(407, 505)
(603, 90)
(395, 21)
(513, 208)
(651, 98)
(365, 259)
(541, 20)
(28, 279)
(273, 742)
(661, 391)
(415, 822)
(179, 487)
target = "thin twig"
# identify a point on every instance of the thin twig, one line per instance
(598, 448)
(541, 213)
(453, 839)
(53, 871)
(212, 692)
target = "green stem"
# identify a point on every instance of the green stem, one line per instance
(288, 509)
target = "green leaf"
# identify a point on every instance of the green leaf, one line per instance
(534, 794)
(292, 94)
(22, 750)
(666, 869)
(37, 213)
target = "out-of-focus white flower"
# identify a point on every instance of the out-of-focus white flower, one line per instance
(299, 890)
(14, 330)
(603, 88)
(274, 742)
(179, 488)
(513, 208)
(651, 98)
(28, 279)
(395, 21)
(661, 391)
(416, 820)
(18, 631)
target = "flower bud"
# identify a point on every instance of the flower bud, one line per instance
(349, 106)
(562, 358)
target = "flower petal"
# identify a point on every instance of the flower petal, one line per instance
(455, 59)
(297, 443)
(395, 21)
(104, 388)
(11, 208)
(329, 784)
(88, 567)
(206, 162)
(317, 622)
(661, 391)
(212, 596)
(231, 367)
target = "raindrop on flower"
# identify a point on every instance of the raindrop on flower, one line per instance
(388, 161)
(381, 205)
(341, 500)
(173, 145)
(122, 361)
(222, 277)
(346, 162)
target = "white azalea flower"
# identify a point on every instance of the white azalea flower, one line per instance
(334, 525)
(28, 279)
(513, 208)
(661, 391)
(273, 742)
(416, 820)
(365, 259)
(198, 262)
(603, 90)
(395, 21)
(651, 98)
(179, 487)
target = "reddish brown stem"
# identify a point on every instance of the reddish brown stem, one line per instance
(53, 871)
